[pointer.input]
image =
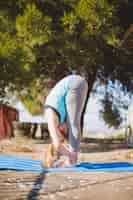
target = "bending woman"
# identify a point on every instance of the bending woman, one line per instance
(63, 109)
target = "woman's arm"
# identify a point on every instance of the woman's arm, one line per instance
(57, 133)
(53, 124)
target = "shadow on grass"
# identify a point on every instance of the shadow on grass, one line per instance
(33, 194)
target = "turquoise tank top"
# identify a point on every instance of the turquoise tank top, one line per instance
(57, 97)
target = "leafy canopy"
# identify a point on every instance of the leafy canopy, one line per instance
(45, 39)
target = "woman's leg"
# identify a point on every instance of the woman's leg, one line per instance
(53, 123)
(74, 103)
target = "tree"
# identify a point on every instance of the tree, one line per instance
(45, 39)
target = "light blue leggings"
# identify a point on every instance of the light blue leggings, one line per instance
(75, 101)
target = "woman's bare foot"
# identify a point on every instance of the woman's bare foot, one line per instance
(67, 157)
(63, 163)
(67, 151)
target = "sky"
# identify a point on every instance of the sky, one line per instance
(92, 120)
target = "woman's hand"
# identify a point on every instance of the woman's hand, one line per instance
(51, 156)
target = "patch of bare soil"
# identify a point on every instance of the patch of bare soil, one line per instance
(77, 185)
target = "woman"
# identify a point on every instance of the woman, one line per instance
(63, 108)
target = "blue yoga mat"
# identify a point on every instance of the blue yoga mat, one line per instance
(26, 164)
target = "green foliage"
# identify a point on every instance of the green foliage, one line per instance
(69, 21)
(95, 14)
(32, 27)
(18, 42)
(34, 94)
(53, 37)
(120, 136)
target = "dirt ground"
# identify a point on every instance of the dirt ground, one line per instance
(75, 185)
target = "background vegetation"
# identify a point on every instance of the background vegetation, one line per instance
(43, 40)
